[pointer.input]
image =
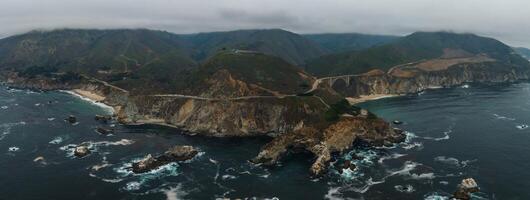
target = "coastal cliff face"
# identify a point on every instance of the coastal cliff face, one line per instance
(337, 137)
(407, 81)
(241, 117)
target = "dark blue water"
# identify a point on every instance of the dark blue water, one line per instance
(453, 134)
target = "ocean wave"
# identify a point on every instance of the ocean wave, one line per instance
(13, 149)
(6, 128)
(333, 194)
(497, 116)
(56, 140)
(4, 107)
(174, 193)
(453, 161)
(414, 145)
(94, 146)
(138, 181)
(107, 108)
(392, 156)
(522, 126)
(436, 196)
(404, 188)
(228, 176)
(445, 137)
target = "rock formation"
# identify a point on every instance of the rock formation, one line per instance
(175, 154)
(81, 151)
(338, 137)
(465, 189)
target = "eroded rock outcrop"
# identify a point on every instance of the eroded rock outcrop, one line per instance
(465, 189)
(408, 80)
(337, 137)
(175, 154)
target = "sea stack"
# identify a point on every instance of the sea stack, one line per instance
(465, 189)
(175, 154)
(81, 151)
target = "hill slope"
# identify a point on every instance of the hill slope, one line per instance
(415, 47)
(341, 42)
(291, 47)
(524, 52)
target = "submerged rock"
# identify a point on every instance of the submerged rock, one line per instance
(104, 131)
(71, 119)
(465, 189)
(175, 154)
(103, 118)
(397, 122)
(337, 137)
(81, 151)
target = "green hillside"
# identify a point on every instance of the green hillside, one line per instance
(524, 52)
(263, 70)
(291, 47)
(415, 47)
(342, 42)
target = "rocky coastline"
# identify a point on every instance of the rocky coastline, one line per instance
(294, 122)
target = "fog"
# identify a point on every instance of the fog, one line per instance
(506, 20)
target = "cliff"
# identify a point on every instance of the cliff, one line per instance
(411, 79)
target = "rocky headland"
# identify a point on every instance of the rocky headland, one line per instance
(237, 93)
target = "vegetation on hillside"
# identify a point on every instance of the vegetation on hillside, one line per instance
(415, 47)
(343, 42)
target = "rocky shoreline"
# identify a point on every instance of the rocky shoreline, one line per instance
(294, 122)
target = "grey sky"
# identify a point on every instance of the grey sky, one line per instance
(507, 20)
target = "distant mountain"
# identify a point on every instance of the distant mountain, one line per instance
(291, 47)
(415, 47)
(341, 42)
(141, 57)
(92, 50)
(524, 52)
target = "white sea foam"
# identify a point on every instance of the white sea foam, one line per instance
(131, 186)
(422, 176)
(436, 196)
(57, 140)
(175, 193)
(393, 156)
(503, 117)
(522, 126)
(51, 119)
(333, 194)
(404, 188)
(107, 108)
(94, 146)
(4, 107)
(228, 176)
(13, 149)
(445, 137)
(453, 161)
(414, 145)
(6, 128)
(465, 86)
(448, 160)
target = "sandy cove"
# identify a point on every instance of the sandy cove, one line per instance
(93, 98)
(365, 98)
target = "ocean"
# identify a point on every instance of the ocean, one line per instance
(478, 131)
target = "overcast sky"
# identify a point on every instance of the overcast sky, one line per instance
(507, 20)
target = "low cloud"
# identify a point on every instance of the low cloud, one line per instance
(507, 20)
